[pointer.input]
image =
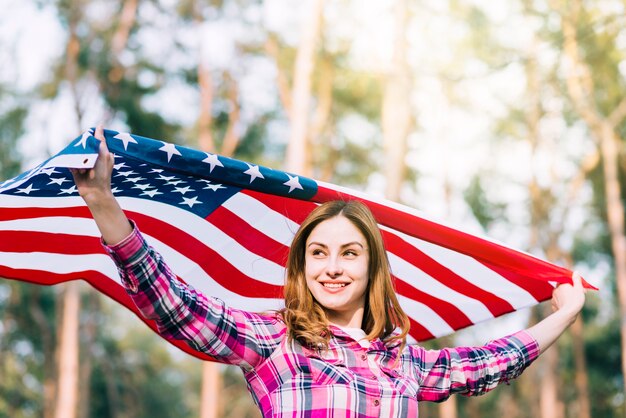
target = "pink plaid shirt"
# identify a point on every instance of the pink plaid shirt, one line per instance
(287, 379)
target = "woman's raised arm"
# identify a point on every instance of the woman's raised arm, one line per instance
(567, 302)
(94, 186)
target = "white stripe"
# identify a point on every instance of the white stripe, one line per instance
(263, 218)
(54, 225)
(194, 275)
(73, 161)
(61, 263)
(425, 316)
(8, 201)
(474, 272)
(413, 276)
(240, 257)
(69, 263)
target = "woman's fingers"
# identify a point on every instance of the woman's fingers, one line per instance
(99, 134)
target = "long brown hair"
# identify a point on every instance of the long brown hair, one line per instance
(306, 319)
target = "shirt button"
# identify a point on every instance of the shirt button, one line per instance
(363, 357)
(376, 402)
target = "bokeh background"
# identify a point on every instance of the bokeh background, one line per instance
(503, 118)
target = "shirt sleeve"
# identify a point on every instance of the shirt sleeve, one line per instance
(472, 371)
(180, 312)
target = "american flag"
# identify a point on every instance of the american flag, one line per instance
(224, 226)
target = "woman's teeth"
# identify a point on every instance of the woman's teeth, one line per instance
(334, 285)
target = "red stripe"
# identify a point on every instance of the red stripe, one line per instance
(216, 266)
(497, 306)
(27, 241)
(293, 209)
(539, 289)
(248, 236)
(452, 315)
(9, 214)
(419, 332)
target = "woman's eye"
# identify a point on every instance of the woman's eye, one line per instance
(350, 253)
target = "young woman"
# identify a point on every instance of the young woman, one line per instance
(338, 348)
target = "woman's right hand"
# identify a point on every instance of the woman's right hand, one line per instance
(94, 184)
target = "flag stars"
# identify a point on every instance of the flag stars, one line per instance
(125, 173)
(174, 182)
(165, 178)
(214, 187)
(254, 172)
(183, 190)
(142, 186)
(71, 190)
(120, 165)
(170, 149)
(27, 190)
(48, 171)
(156, 170)
(126, 138)
(190, 201)
(150, 193)
(58, 180)
(213, 161)
(83, 139)
(293, 183)
(134, 179)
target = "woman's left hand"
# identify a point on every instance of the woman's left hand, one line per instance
(569, 298)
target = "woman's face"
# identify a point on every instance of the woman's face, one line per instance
(336, 270)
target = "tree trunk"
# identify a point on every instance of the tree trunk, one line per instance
(205, 119)
(583, 408)
(47, 337)
(89, 331)
(604, 131)
(231, 136)
(127, 19)
(71, 67)
(211, 379)
(67, 392)
(549, 403)
(297, 159)
(396, 107)
(67, 341)
(319, 128)
(615, 216)
(211, 382)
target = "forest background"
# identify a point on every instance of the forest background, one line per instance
(503, 118)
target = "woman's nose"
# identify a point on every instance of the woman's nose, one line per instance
(334, 268)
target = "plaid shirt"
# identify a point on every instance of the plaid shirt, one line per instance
(287, 379)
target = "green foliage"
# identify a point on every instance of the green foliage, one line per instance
(485, 211)
(11, 129)
(604, 360)
(136, 377)
(26, 347)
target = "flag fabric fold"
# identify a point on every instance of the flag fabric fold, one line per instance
(224, 226)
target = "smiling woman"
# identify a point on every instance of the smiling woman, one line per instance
(338, 348)
(338, 273)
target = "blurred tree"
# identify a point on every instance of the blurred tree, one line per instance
(297, 158)
(592, 84)
(26, 331)
(397, 119)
